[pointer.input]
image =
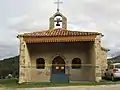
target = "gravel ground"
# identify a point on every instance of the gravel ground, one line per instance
(101, 87)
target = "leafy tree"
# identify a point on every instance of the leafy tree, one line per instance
(9, 66)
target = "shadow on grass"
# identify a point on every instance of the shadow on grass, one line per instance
(13, 83)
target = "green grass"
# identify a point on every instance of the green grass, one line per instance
(12, 83)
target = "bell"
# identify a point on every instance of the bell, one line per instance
(57, 24)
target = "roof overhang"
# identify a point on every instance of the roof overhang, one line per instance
(59, 39)
(105, 49)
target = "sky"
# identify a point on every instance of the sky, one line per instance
(18, 16)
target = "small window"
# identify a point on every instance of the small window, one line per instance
(40, 63)
(117, 66)
(76, 63)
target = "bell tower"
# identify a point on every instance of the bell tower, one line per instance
(58, 20)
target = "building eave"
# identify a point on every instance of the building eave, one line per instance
(58, 39)
(105, 49)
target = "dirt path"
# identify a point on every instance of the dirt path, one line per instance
(102, 87)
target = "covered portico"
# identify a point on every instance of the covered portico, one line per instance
(66, 52)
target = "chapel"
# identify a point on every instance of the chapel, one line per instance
(61, 55)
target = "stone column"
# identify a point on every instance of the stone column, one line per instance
(24, 62)
(51, 23)
(98, 58)
(64, 22)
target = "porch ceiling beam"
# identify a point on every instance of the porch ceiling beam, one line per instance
(59, 39)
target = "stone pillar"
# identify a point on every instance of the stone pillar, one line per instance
(51, 23)
(64, 22)
(98, 58)
(24, 62)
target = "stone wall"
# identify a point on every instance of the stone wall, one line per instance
(24, 63)
(67, 52)
(101, 59)
(89, 52)
(98, 58)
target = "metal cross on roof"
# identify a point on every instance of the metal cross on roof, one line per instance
(58, 3)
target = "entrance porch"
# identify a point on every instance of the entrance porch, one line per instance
(73, 61)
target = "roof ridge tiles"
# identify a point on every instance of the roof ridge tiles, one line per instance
(60, 32)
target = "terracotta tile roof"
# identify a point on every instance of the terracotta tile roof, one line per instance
(58, 32)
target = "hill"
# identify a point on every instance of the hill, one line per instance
(9, 66)
(115, 59)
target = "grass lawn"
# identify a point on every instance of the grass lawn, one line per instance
(12, 83)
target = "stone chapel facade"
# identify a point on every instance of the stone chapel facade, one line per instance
(58, 54)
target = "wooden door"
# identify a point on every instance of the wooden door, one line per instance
(58, 65)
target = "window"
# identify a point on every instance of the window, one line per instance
(76, 63)
(40, 63)
(117, 66)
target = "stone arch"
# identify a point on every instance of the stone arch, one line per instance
(51, 21)
(58, 55)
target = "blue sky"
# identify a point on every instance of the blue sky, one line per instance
(18, 16)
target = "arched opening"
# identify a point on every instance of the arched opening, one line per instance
(76, 63)
(58, 65)
(40, 63)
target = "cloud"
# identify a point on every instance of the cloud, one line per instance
(16, 20)
(26, 24)
(84, 15)
(8, 51)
